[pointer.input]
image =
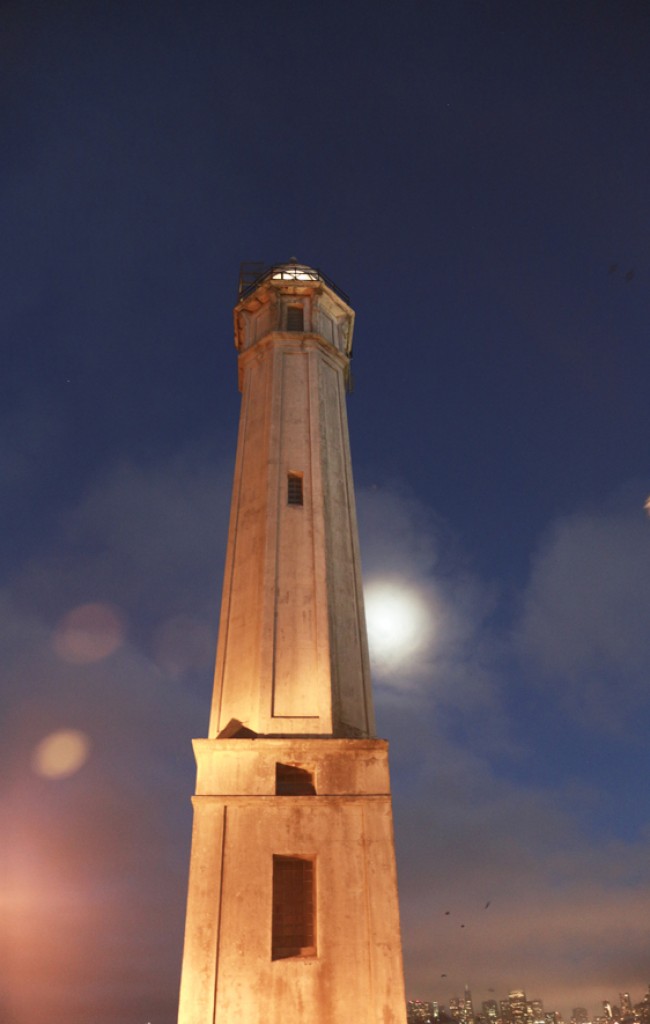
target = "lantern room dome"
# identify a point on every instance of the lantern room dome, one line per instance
(294, 271)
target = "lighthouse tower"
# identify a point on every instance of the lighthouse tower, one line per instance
(292, 914)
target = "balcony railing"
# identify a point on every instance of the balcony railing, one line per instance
(251, 275)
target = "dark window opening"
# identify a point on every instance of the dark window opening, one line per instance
(294, 489)
(290, 780)
(295, 318)
(293, 908)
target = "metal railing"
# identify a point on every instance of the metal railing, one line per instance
(251, 275)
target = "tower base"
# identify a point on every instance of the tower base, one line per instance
(263, 945)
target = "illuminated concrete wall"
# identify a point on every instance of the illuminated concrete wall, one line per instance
(239, 824)
(292, 671)
(292, 655)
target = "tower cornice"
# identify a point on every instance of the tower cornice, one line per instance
(303, 342)
(267, 309)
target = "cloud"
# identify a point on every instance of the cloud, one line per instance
(107, 640)
(566, 912)
(29, 438)
(467, 830)
(148, 539)
(133, 574)
(445, 654)
(399, 534)
(585, 622)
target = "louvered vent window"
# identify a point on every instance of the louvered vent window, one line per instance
(290, 780)
(295, 318)
(294, 489)
(293, 931)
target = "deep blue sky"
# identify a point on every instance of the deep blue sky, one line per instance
(475, 176)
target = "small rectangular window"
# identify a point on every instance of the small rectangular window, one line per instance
(290, 780)
(295, 318)
(293, 932)
(294, 489)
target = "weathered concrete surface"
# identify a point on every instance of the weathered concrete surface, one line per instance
(292, 669)
(247, 767)
(292, 654)
(356, 972)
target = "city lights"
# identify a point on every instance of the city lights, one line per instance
(517, 1009)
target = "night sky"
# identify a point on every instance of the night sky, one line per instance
(476, 175)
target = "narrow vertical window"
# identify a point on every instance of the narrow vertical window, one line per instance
(293, 908)
(294, 489)
(295, 318)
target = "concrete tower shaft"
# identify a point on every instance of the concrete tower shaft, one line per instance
(292, 910)
(292, 657)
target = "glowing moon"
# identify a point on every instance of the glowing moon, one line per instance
(399, 623)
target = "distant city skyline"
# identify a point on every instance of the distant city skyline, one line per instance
(516, 1008)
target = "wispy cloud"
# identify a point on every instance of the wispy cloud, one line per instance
(585, 623)
(468, 833)
(131, 684)
(445, 655)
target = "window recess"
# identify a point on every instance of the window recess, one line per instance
(294, 489)
(293, 932)
(295, 318)
(290, 780)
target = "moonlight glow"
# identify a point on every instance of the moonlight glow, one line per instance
(399, 624)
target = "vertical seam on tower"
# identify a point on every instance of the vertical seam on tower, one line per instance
(366, 890)
(356, 562)
(278, 516)
(226, 611)
(216, 962)
(312, 512)
(310, 495)
(332, 621)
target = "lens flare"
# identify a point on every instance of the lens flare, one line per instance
(399, 624)
(89, 633)
(183, 643)
(61, 754)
